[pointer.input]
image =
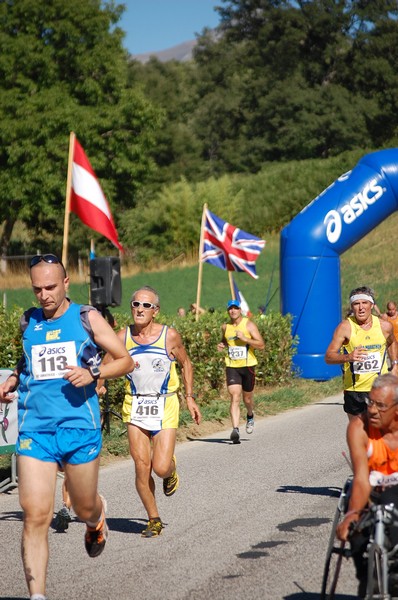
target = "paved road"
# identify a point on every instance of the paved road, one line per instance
(249, 521)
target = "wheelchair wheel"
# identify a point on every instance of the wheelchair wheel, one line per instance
(377, 586)
(336, 549)
(331, 571)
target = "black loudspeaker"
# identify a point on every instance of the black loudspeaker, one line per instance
(105, 281)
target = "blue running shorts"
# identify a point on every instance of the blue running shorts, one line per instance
(66, 445)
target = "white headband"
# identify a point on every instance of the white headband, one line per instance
(361, 297)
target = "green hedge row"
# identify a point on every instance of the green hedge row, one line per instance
(200, 339)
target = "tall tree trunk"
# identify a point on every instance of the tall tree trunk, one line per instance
(5, 241)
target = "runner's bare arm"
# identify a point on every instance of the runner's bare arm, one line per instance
(176, 349)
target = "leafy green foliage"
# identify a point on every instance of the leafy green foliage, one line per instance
(168, 226)
(10, 338)
(63, 68)
(280, 80)
(200, 339)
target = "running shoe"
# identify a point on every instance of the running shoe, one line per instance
(250, 424)
(95, 537)
(62, 519)
(170, 484)
(235, 437)
(153, 528)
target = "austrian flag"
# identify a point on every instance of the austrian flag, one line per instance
(87, 198)
(228, 247)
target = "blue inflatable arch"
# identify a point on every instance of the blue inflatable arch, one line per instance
(310, 250)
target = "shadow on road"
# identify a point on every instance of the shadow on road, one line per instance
(216, 440)
(131, 525)
(311, 596)
(332, 492)
(11, 516)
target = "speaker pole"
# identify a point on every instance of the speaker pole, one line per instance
(107, 410)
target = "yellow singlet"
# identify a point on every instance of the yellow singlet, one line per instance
(239, 353)
(358, 377)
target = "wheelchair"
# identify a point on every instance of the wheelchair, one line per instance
(380, 554)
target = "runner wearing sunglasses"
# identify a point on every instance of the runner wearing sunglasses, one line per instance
(151, 404)
(58, 413)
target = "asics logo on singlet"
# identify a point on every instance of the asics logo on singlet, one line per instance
(158, 365)
(50, 351)
(148, 401)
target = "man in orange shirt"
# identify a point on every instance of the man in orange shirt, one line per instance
(391, 315)
(373, 443)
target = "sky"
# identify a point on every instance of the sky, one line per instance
(154, 25)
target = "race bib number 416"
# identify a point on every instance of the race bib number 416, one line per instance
(148, 411)
(49, 360)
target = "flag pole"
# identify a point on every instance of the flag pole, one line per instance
(90, 258)
(231, 285)
(200, 270)
(67, 200)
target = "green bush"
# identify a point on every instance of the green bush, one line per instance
(10, 337)
(200, 339)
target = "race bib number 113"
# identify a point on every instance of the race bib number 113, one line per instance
(49, 360)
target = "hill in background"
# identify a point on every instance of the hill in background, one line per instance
(181, 52)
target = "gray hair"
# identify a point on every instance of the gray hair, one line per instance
(147, 288)
(388, 380)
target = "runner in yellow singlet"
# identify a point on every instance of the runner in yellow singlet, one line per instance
(151, 405)
(360, 344)
(240, 337)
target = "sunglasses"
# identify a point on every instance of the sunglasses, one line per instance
(51, 259)
(146, 305)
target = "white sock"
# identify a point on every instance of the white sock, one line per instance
(94, 525)
(38, 597)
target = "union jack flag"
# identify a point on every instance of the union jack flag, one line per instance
(228, 247)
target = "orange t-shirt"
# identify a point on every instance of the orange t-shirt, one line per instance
(382, 460)
(394, 323)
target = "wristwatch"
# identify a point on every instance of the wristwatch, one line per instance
(95, 372)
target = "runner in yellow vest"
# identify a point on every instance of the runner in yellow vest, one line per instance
(240, 337)
(360, 344)
(151, 403)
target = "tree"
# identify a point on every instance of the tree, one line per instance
(171, 87)
(296, 79)
(63, 68)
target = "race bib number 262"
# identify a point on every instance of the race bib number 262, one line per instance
(371, 364)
